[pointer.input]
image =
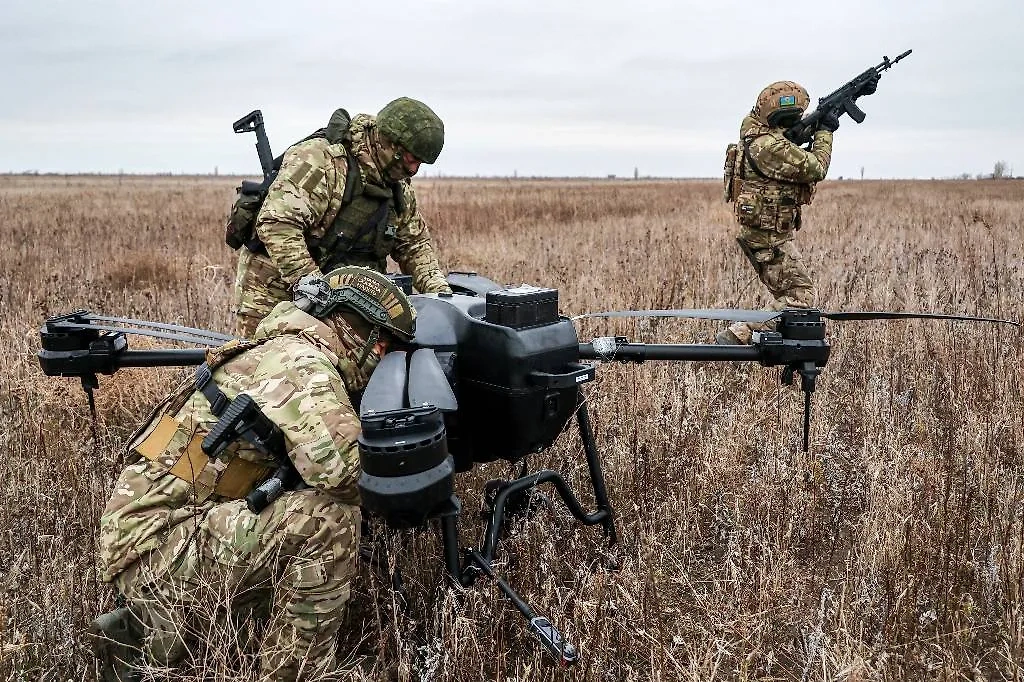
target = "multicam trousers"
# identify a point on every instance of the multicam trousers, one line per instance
(258, 288)
(780, 268)
(293, 562)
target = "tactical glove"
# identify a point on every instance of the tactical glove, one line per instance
(829, 122)
(869, 87)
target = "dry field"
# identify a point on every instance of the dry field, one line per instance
(893, 550)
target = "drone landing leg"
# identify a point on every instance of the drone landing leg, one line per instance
(596, 474)
(512, 488)
(540, 626)
(449, 519)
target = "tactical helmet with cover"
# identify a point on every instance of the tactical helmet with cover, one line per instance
(781, 104)
(413, 125)
(370, 294)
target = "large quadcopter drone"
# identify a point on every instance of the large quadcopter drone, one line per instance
(493, 373)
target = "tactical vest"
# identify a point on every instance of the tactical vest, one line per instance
(763, 202)
(364, 231)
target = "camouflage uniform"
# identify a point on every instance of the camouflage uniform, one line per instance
(302, 204)
(165, 539)
(774, 178)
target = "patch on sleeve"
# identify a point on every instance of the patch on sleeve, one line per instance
(787, 101)
(300, 173)
(313, 180)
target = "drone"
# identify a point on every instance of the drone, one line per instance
(493, 373)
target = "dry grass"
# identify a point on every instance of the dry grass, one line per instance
(894, 550)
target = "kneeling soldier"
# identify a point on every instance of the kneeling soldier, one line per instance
(178, 521)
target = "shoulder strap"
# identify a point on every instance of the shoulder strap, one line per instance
(353, 180)
(214, 359)
(749, 159)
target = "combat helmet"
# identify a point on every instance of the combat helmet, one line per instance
(781, 104)
(368, 293)
(413, 125)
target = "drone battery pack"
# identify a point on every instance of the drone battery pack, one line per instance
(522, 307)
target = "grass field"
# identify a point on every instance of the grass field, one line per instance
(893, 550)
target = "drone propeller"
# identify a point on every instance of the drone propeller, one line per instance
(422, 380)
(758, 316)
(886, 315)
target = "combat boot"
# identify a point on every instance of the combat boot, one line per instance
(116, 640)
(727, 337)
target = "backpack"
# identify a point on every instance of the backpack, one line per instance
(240, 227)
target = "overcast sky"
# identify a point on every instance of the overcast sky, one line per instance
(539, 88)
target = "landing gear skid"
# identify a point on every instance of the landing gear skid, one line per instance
(504, 499)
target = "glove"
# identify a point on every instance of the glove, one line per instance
(869, 87)
(829, 122)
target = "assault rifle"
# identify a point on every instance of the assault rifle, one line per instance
(253, 123)
(841, 101)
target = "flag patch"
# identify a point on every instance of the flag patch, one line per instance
(787, 101)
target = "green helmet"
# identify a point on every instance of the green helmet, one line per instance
(413, 125)
(370, 294)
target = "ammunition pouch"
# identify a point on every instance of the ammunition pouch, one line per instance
(361, 233)
(768, 210)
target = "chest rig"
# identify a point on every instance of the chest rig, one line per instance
(364, 231)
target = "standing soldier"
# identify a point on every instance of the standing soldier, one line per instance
(769, 178)
(177, 529)
(342, 197)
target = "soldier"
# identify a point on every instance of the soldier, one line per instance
(176, 520)
(343, 198)
(769, 178)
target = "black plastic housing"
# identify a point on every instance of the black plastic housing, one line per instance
(516, 388)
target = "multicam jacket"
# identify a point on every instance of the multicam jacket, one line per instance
(776, 176)
(299, 372)
(306, 198)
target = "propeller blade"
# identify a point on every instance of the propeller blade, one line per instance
(386, 389)
(884, 315)
(184, 338)
(216, 336)
(723, 314)
(427, 383)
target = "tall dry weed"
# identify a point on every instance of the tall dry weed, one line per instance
(893, 550)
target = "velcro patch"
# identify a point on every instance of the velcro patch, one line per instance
(313, 180)
(300, 172)
(787, 101)
(306, 176)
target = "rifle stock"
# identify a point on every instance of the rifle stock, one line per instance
(253, 123)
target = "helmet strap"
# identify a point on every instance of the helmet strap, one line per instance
(371, 341)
